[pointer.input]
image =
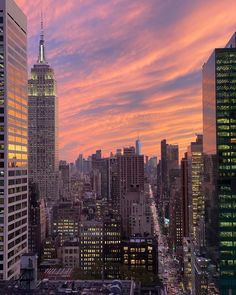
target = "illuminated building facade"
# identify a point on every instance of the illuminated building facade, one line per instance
(140, 253)
(13, 139)
(219, 127)
(201, 274)
(195, 170)
(187, 263)
(91, 244)
(43, 127)
(111, 245)
(65, 221)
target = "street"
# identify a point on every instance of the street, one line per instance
(167, 265)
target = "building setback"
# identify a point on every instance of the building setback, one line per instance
(219, 127)
(43, 127)
(13, 139)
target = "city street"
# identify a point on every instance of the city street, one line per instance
(167, 266)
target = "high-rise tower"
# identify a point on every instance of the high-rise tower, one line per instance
(43, 127)
(219, 127)
(13, 139)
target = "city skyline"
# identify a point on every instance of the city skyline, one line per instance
(142, 76)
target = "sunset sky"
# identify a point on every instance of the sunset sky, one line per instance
(128, 67)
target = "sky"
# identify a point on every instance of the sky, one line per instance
(128, 68)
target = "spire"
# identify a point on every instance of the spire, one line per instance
(42, 57)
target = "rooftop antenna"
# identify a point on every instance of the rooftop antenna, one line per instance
(42, 56)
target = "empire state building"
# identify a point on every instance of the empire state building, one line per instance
(43, 127)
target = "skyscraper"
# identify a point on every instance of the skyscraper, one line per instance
(195, 172)
(138, 147)
(13, 136)
(43, 127)
(219, 127)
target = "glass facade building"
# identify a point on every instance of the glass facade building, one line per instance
(219, 127)
(13, 139)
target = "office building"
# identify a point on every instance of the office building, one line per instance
(69, 254)
(64, 181)
(195, 174)
(136, 214)
(130, 173)
(187, 263)
(37, 221)
(219, 128)
(13, 139)
(43, 127)
(140, 253)
(176, 224)
(185, 203)
(65, 221)
(200, 276)
(169, 170)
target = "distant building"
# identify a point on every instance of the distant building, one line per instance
(185, 203)
(65, 221)
(195, 176)
(130, 173)
(70, 254)
(138, 146)
(43, 127)
(176, 225)
(50, 247)
(100, 240)
(187, 263)
(136, 214)
(200, 282)
(169, 170)
(64, 180)
(140, 253)
(37, 221)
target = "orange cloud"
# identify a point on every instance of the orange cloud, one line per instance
(128, 67)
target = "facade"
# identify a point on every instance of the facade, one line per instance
(138, 147)
(169, 170)
(69, 254)
(64, 180)
(185, 196)
(219, 127)
(140, 253)
(195, 174)
(43, 127)
(37, 221)
(211, 207)
(130, 173)
(65, 221)
(187, 263)
(111, 245)
(200, 276)
(136, 215)
(91, 244)
(13, 139)
(176, 225)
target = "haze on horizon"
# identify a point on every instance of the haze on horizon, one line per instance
(128, 68)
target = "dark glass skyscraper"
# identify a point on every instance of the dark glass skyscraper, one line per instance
(219, 127)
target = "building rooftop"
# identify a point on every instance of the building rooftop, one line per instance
(70, 287)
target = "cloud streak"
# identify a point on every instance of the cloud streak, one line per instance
(128, 67)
